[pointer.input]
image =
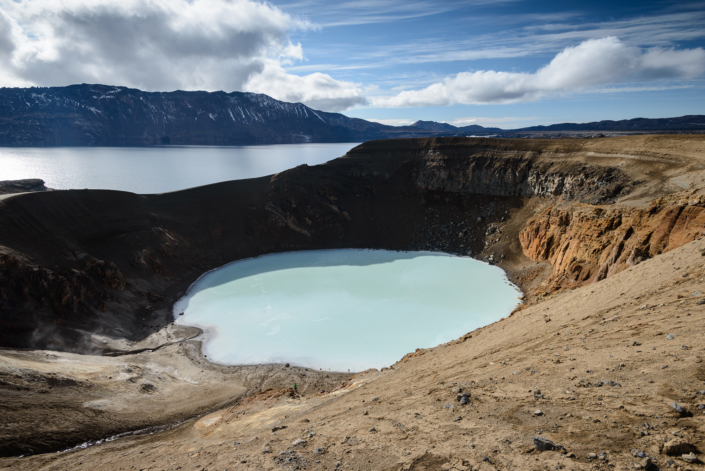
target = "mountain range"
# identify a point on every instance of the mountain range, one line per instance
(103, 115)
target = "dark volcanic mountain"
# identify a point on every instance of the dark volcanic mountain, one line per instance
(101, 115)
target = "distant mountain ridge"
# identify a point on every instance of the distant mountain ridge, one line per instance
(103, 115)
(683, 123)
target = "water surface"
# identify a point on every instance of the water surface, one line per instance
(157, 169)
(342, 309)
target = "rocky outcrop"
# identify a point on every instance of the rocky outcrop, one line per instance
(522, 176)
(587, 244)
(22, 186)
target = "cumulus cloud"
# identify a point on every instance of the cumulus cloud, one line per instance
(317, 90)
(489, 122)
(158, 45)
(393, 121)
(596, 62)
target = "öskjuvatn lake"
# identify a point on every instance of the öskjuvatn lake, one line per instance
(157, 169)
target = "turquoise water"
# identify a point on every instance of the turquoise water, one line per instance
(342, 310)
(157, 169)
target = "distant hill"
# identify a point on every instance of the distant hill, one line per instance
(684, 123)
(102, 115)
(434, 126)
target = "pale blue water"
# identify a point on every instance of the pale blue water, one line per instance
(342, 309)
(157, 169)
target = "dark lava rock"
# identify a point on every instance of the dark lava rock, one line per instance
(543, 444)
(677, 407)
(148, 388)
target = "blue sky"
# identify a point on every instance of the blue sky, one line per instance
(388, 46)
(505, 63)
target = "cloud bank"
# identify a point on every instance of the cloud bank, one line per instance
(162, 45)
(593, 63)
(230, 45)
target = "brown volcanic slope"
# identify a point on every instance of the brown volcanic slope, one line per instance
(97, 271)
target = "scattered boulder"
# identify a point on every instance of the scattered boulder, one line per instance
(543, 444)
(689, 457)
(299, 442)
(148, 388)
(538, 413)
(586, 383)
(464, 398)
(677, 407)
(678, 446)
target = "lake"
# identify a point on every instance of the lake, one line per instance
(342, 310)
(157, 169)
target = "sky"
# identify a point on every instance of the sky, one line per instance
(503, 63)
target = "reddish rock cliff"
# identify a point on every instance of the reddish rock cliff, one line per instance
(585, 244)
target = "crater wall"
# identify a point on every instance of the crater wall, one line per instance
(81, 266)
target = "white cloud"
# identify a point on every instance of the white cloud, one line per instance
(393, 121)
(595, 62)
(317, 90)
(159, 45)
(542, 38)
(363, 12)
(488, 122)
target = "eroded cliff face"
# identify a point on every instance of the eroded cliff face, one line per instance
(522, 176)
(587, 244)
